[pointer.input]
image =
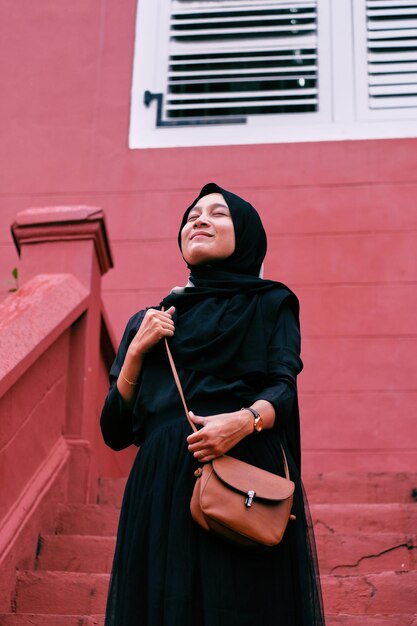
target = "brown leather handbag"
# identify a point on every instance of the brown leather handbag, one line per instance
(238, 501)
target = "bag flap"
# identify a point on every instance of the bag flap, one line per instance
(245, 477)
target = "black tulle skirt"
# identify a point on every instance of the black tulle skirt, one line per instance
(169, 572)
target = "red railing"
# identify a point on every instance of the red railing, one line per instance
(56, 348)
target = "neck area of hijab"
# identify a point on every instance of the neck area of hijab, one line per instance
(223, 323)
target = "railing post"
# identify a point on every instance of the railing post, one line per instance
(72, 239)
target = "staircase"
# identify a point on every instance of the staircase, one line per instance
(365, 524)
(366, 542)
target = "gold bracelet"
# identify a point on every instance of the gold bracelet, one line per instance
(129, 382)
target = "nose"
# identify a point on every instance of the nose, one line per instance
(200, 221)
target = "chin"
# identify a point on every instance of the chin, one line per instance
(198, 260)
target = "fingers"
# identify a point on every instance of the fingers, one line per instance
(198, 444)
(204, 456)
(201, 453)
(159, 322)
(162, 317)
(197, 419)
(156, 325)
(195, 439)
(195, 443)
(167, 322)
(217, 435)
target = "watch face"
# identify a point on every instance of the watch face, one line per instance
(258, 423)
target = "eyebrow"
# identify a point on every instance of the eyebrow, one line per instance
(211, 206)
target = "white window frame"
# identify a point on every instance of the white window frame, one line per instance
(343, 91)
(364, 112)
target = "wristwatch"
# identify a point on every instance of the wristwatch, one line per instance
(257, 419)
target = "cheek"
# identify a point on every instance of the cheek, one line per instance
(231, 241)
(184, 233)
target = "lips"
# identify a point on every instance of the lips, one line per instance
(200, 234)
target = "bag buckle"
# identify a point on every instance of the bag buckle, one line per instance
(249, 498)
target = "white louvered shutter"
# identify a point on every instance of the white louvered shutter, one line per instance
(392, 53)
(231, 59)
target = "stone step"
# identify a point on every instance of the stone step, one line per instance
(338, 554)
(88, 519)
(356, 487)
(366, 553)
(73, 593)
(371, 620)
(370, 594)
(76, 553)
(61, 593)
(101, 519)
(331, 487)
(364, 518)
(30, 619)
(110, 491)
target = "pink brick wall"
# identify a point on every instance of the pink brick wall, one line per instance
(340, 216)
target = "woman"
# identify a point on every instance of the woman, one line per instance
(235, 340)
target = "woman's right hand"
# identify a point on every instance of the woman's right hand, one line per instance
(155, 325)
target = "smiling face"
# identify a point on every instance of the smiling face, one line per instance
(209, 233)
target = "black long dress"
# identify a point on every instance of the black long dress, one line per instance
(169, 572)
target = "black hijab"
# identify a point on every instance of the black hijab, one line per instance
(224, 322)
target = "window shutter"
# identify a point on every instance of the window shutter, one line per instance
(392, 53)
(230, 59)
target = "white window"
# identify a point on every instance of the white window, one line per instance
(210, 72)
(386, 59)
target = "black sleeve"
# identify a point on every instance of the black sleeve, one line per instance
(116, 418)
(284, 364)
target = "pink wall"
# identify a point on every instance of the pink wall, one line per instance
(341, 219)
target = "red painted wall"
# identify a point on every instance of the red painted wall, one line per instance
(341, 219)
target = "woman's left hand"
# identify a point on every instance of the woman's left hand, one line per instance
(218, 433)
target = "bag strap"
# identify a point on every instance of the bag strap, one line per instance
(179, 386)
(187, 413)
